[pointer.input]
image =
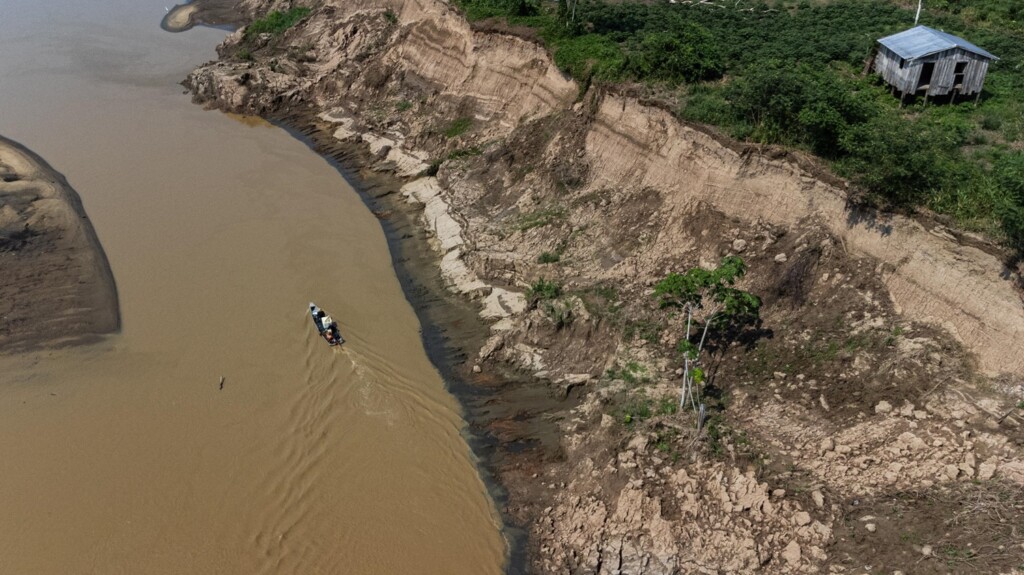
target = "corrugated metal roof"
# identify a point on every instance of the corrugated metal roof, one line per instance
(921, 41)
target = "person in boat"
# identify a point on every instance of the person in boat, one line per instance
(329, 335)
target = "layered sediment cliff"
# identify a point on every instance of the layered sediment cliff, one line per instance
(889, 351)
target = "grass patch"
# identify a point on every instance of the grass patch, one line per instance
(403, 105)
(548, 258)
(668, 406)
(539, 218)
(464, 153)
(275, 23)
(645, 329)
(635, 411)
(458, 127)
(632, 373)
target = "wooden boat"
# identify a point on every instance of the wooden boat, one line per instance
(327, 327)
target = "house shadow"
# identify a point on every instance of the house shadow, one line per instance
(869, 217)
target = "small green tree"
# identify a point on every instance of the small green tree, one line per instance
(711, 304)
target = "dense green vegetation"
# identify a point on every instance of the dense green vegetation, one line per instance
(275, 22)
(791, 73)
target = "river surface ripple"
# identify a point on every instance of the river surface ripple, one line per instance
(126, 457)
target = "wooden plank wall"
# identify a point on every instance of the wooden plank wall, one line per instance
(905, 79)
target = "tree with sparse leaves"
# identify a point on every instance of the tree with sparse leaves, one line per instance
(711, 304)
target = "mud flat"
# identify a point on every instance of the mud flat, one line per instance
(56, 288)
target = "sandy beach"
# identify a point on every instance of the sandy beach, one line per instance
(57, 287)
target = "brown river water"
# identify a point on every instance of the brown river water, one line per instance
(125, 457)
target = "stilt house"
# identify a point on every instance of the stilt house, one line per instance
(923, 61)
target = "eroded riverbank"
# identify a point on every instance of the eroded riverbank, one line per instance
(514, 424)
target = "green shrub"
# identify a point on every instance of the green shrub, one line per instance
(548, 258)
(635, 411)
(685, 54)
(559, 313)
(275, 23)
(1009, 174)
(458, 127)
(544, 290)
(592, 55)
(990, 122)
(433, 168)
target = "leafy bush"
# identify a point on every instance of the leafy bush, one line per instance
(898, 160)
(1009, 172)
(544, 290)
(687, 54)
(592, 55)
(797, 105)
(636, 411)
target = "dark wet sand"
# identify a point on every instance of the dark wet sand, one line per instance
(56, 288)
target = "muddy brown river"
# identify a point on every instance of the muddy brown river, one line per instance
(126, 457)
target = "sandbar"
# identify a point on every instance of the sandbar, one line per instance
(56, 286)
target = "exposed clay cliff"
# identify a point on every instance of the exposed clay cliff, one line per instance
(878, 393)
